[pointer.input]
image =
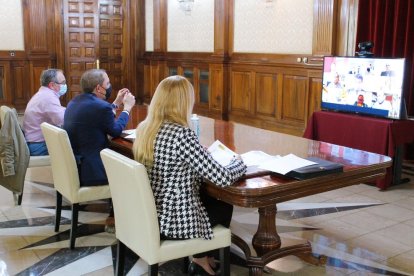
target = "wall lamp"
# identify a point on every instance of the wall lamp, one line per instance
(186, 6)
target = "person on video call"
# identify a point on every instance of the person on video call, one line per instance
(360, 101)
(336, 82)
(381, 101)
(388, 72)
(177, 163)
(335, 90)
(357, 90)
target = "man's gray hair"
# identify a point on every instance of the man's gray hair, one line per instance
(91, 78)
(48, 76)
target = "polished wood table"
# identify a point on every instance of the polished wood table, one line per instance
(266, 191)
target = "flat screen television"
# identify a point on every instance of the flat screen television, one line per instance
(369, 86)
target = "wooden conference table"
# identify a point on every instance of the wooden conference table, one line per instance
(264, 192)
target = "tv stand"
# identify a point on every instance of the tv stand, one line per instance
(383, 136)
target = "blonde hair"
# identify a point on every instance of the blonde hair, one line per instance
(173, 101)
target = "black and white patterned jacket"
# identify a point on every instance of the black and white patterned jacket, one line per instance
(180, 164)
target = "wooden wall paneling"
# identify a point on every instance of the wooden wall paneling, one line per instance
(274, 91)
(221, 27)
(110, 26)
(203, 80)
(147, 83)
(52, 31)
(81, 24)
(231, 26)
(36, 26)
(266, 95)
(216, 85)
(279, 96)
(5, 91)
(160, 25)
(346, 25)
(195, 80)
(219, 73)
(20, 78)
(36, 67)
(242, 87)
(136, 47)
(294, 100)
(115, 42)
(59, 40)
(41, 46)
(155, 77)
(314, 95)
(324, 27)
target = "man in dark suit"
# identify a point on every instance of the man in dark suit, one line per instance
(89, 119)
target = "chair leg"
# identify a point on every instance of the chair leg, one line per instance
(186, 263)
(58, 210)
(120, 259)
(74, 226)
(225, 261)
(19, 199)
(153, 270)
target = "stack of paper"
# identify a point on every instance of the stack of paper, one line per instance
(129, 134)
(222, 154)
(278, 164)
(284, 164)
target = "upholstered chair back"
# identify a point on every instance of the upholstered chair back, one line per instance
(64, 168)
(136, 219)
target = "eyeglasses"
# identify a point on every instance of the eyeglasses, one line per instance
(63, 82)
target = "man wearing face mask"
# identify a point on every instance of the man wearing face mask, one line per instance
(44, 106)
(89, 120)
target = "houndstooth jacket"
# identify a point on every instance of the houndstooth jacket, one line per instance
(180, 164)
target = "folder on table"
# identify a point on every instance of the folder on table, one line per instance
(321, 168)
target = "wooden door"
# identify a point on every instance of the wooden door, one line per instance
(94, 36)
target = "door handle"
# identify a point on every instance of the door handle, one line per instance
(97, 63)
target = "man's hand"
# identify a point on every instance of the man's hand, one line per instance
(120, 97)
(128, 101)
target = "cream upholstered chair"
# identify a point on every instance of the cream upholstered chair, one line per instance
(136, 219)
(66, 178)
(34, 161)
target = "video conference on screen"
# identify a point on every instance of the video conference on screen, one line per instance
(367, 85)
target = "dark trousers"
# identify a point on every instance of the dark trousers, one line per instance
(219, 212)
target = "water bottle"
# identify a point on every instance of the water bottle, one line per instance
(195, 124)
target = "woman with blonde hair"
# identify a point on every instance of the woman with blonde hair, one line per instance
(176, 163)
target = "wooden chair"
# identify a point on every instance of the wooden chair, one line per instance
(66, 177)
(136, 220)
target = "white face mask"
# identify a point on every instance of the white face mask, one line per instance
(62, 90)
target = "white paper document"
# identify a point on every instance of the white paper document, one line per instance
(285, 164)
(255, 157)
(222, 154)
(129, 134)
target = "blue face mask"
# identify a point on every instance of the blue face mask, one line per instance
(62, 90)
